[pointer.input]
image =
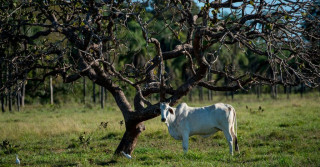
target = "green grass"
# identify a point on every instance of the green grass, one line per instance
(285, 133)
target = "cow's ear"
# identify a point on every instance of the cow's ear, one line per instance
(170, 110)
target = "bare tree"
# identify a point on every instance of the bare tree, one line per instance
(93, 35)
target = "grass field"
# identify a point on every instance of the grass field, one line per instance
(283, 133)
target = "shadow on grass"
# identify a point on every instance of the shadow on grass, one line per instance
(65, 163)
(103, 163)
(240, 160)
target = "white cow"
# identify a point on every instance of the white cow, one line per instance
(185, 121)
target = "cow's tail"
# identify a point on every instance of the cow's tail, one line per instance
(236, 134)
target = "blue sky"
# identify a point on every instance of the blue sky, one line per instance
(248, 9)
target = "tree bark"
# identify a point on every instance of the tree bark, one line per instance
(130, 137)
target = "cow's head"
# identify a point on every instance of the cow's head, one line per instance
(165, 110)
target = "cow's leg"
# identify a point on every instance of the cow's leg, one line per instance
(185, 142)
(235, 139)
(228, 136)
(234, 136)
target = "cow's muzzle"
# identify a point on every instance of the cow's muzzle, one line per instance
(163, 120)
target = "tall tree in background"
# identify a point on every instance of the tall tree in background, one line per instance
(51, 90)
(93, 92)
(23, 93)
(9, 77)
(102, 97)
(1, 81)
(103, 35)
(84, 89)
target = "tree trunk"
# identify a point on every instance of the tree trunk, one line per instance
(1, 93)
(190, 96)
(286, 91)
(18, 100)
(257, 91)
(226, 84)
(18, 94)
(10, 99)
(301, 90)
(23, 91)
(6, 100)
(94, 92)
(84, 90)
(130, 137)
(51, 91)
(9, 90)
(200, 93)
(209, 79)
(102, 97)
(209, 95)
(105, 95)
(232, 95)
(2, 103)
(274, 91)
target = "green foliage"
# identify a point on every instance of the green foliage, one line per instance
(8, 148)
(84, 140)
